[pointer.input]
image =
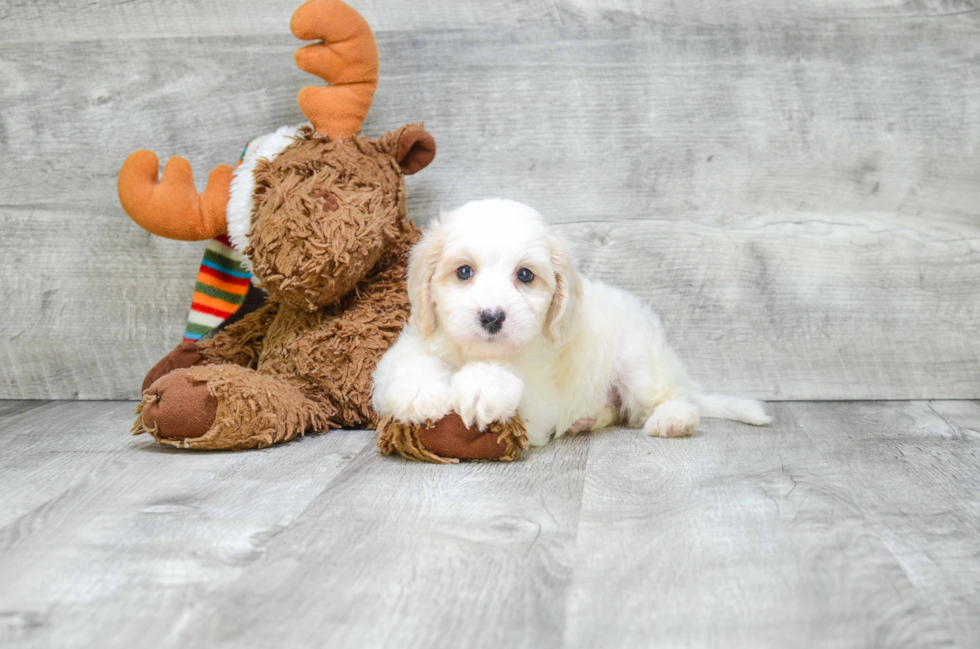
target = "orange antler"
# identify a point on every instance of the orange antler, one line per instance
(172, 208)
(346, 57)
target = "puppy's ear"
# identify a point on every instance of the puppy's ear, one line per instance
(421, 268)
(568, 291)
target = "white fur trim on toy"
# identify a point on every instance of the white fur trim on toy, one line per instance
(240, 200)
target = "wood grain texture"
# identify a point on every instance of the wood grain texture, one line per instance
(395, 554)
(797, 198)
(130, 533)
(914, 468)
(10, 408)
(841, 525)
(100, 20)
(739, 538)
(71, 20)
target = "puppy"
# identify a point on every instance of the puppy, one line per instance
(502, 323)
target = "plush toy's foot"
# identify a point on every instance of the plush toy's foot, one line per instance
(176, 406)
(181, 357)
(449, 440)
(226, 407)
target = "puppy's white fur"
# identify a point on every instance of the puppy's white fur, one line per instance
(573, 354)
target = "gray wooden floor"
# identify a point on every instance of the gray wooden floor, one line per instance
(843, 525)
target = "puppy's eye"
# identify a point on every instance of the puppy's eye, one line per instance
(525, 275)
(464, 272)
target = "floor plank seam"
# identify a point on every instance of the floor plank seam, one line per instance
(873, 521)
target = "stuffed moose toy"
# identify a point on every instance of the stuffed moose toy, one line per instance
(319, 214)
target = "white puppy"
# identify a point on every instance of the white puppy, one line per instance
(502, 323)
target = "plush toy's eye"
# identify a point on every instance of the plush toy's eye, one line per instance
(464, 272)
(525, 275)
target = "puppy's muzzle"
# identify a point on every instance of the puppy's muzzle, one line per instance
(492, 321)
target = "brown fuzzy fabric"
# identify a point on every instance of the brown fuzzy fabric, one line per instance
(253, 411)
(329, 241)
(178, 406)
(183, 355)
(307, 248)
(448, 440)
(241, 342)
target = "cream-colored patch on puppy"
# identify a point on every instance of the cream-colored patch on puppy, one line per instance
(502, 322)
(673, 419)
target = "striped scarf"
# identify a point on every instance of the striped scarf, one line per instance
(222, 283)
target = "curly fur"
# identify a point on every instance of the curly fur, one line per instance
(324, 213)
(566, 352)
(254, 411)
(330, 242)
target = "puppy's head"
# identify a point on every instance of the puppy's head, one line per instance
(492, 277)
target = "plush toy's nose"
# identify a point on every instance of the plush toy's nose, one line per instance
(327, 201)
(492, 321)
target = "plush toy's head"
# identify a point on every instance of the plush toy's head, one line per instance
(324, 210)
(312, 208)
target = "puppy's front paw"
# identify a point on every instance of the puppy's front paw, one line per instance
(482, 393)
(672, 419)
(415, 403)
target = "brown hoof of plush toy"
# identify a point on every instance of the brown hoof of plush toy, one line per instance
(177, 406)
(182, 356)
(449, 437)
(449, 440)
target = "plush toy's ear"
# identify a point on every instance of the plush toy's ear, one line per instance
(416, 149)
(412, 147)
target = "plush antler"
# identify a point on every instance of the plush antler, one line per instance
(346, 57)
(172, 208)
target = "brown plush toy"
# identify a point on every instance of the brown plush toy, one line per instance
(320, 215)
(449, 440)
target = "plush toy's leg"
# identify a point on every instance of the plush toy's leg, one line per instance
(449, 440)
(182, 356)
(229, 407)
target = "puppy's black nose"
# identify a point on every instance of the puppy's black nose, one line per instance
(492, 321)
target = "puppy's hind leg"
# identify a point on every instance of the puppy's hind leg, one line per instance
(653, 384)
(656, 394)
(673, 418)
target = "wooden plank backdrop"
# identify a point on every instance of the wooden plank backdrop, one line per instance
(794, 186)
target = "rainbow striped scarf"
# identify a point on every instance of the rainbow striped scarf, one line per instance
(222, 283)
